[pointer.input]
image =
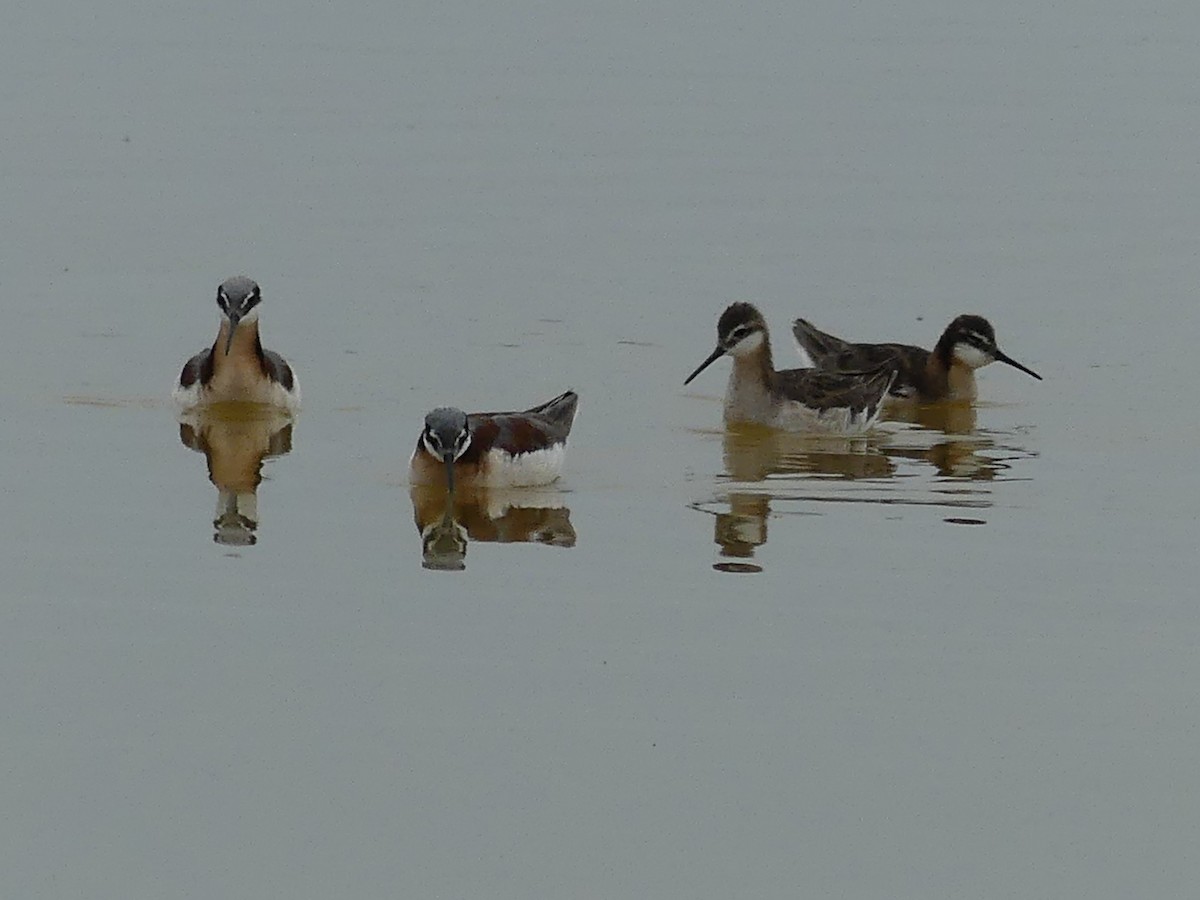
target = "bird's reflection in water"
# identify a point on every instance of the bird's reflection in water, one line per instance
(950, 417)
(944, 436)
(235, 439)
(741, 531)
(753, 453)
(933, 455)
(448, 522)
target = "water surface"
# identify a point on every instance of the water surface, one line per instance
(955, 658)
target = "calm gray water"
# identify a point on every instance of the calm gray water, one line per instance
(956, 659)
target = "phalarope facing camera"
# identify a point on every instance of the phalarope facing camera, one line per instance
(794, 399)
(498, 449)
(236, 368)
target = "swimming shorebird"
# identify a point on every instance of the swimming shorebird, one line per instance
(499, 449)
(948, 373)
(236, 368)
(794, 399)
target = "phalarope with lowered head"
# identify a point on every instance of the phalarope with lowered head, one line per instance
(794, 399)
(499, 449)
(236, 368)
(948, 373)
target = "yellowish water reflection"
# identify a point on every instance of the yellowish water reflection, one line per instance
(448, 523)
(235, 439)
(930, 455)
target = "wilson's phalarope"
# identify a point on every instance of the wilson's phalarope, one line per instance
(499, 449)
(795, 399)
(948, 373)
(236, 368)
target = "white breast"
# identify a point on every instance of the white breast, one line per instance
(793, 416)
(265, 391)
(747, 399)
(186, 397)
(525, 469)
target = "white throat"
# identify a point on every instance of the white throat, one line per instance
(971, 356)
(747, 345)
(248, 319)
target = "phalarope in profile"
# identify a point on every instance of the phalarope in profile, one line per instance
(947, 373)
(794, 399)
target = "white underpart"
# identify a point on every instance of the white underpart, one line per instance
(971, 356)
(794, 416)
(524, 469)
(747, 400)
(289, 400)
(266, 392)
(186, 398)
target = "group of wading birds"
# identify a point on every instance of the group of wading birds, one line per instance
(842, 392)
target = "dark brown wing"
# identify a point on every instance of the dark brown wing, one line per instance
(559, 412)
(819, 345)
(822, 390)
(198, 368)
(540, 426)
(835, 355)
(278, 370)
(907, 361)
(515, 432)
(865, 357)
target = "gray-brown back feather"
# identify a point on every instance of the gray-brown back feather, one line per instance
(824, 390)
(555, 417)
(278, 370)
(836, 355)
(558, 413)
(535, 428)
(198, 368)
(816, 343)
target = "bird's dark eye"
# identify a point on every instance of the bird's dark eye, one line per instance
(738, 333)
